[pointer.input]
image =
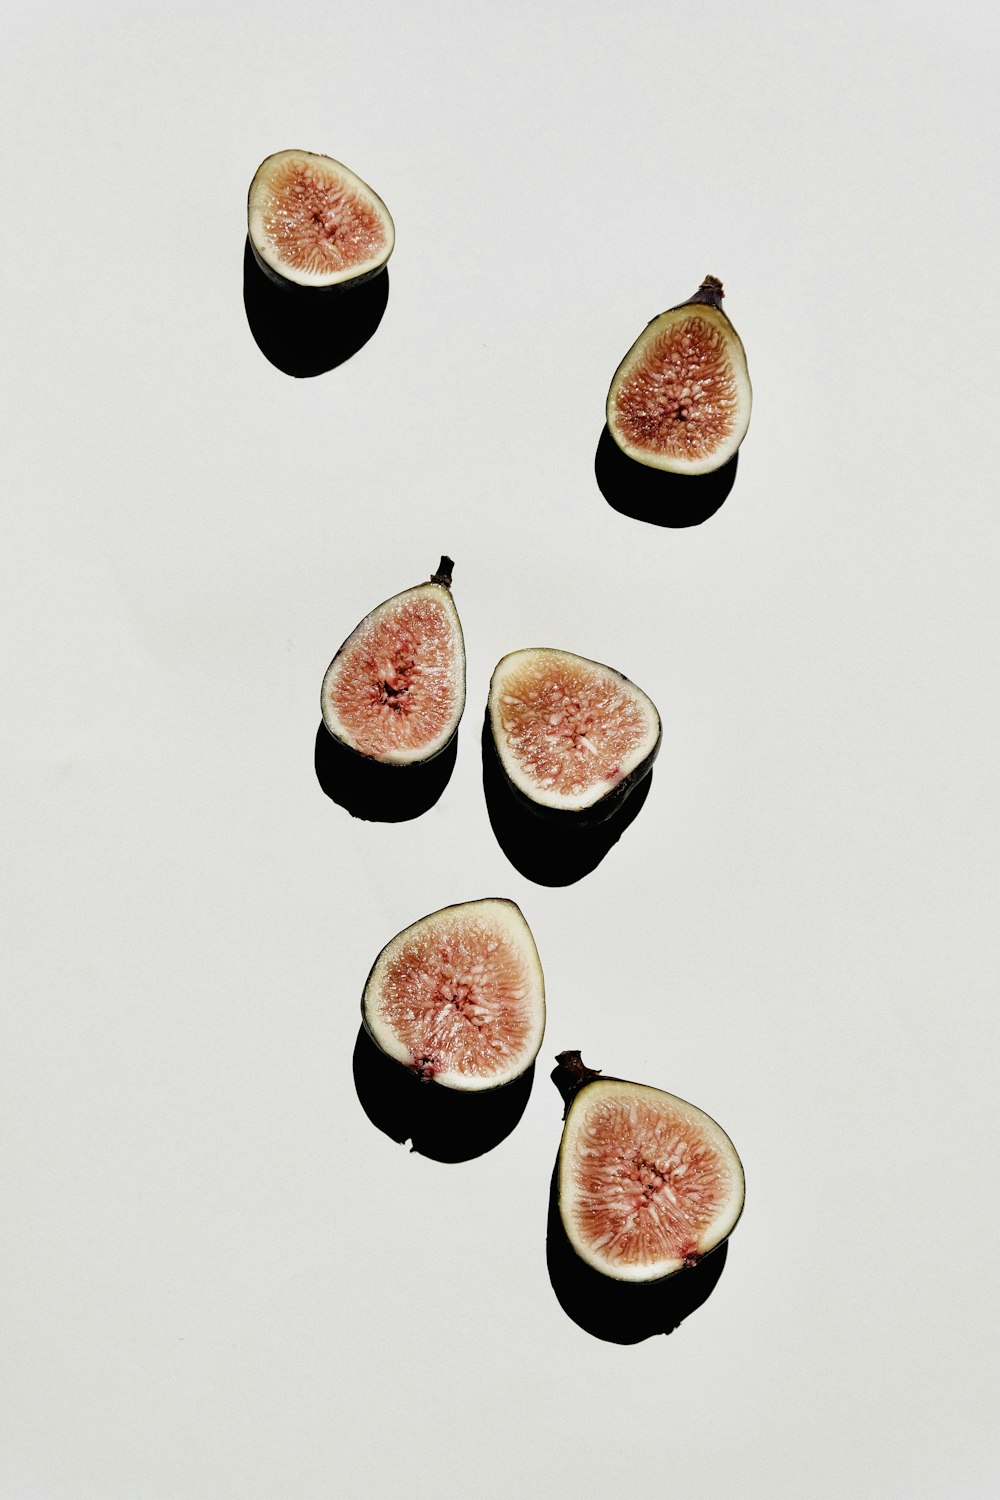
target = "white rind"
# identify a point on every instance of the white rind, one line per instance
(335, 726)
(741, 376)
(712, 1236)
(510, 919)
(545, 797)
(257, 202)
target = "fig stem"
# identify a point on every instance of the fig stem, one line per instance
(710, 292)
(570, 1075)
(444, 572)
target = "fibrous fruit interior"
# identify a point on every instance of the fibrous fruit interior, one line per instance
(316, 222)
(648, 1183)
(396, 688)
(458, 997)
(568, 730)
(680, 399)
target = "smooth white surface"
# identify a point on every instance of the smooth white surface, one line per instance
(217, 1279)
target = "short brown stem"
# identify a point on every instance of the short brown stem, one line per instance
(571, 1074)
(710, 293)
(444, 572)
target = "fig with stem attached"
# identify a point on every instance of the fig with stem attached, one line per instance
(648, 1184)
(680, 399)
(395, 691)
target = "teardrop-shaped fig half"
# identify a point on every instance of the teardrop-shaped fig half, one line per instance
(572, 735)
(648, 1184)
(680, 399)
(312, 222)
(458, 997)
(395, 691)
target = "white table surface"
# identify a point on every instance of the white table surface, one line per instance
(217, 1277)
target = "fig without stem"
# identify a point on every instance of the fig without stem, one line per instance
(573, 736)
(395, 691)
(314, 223)
(680, 399)
(458, 997)
(648, 1184)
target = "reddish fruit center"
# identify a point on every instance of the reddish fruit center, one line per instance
(569, 728)
(458, 997)
(680, 398)
(396, 685)
(648, 1185)
(318, 223)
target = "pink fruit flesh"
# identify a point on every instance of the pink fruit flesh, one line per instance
(457, 996)
(567, 727)
(680, 400)
(317, 223)
(396, 686)
(648, 1185)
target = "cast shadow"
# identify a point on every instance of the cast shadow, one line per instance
(651, 495)
(547, 850)
(305, 332)
(376, 792)
(623, 1312)
(443, 1124)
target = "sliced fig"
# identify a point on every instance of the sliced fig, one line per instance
(572, 735)
(312, 222)
(458, 997)
(680, 399)
(395, 691)
(648, 1184)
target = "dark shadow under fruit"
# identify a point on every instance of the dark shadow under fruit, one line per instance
(655, 496)
(445, 1124)
(304, 332)
(377, 792)
(623, 1312)
(550, 850)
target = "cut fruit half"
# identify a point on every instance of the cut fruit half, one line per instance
(648, 1184)
(680, 399)
(458, 997)
(395, 691)
(571, 734)
(312, 222)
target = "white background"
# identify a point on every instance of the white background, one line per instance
(217, 1278)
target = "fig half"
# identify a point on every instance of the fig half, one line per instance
(648, 1184)
(458, 997)
(395, 691)
(680, 399)
(573, 736)
(312, 222)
